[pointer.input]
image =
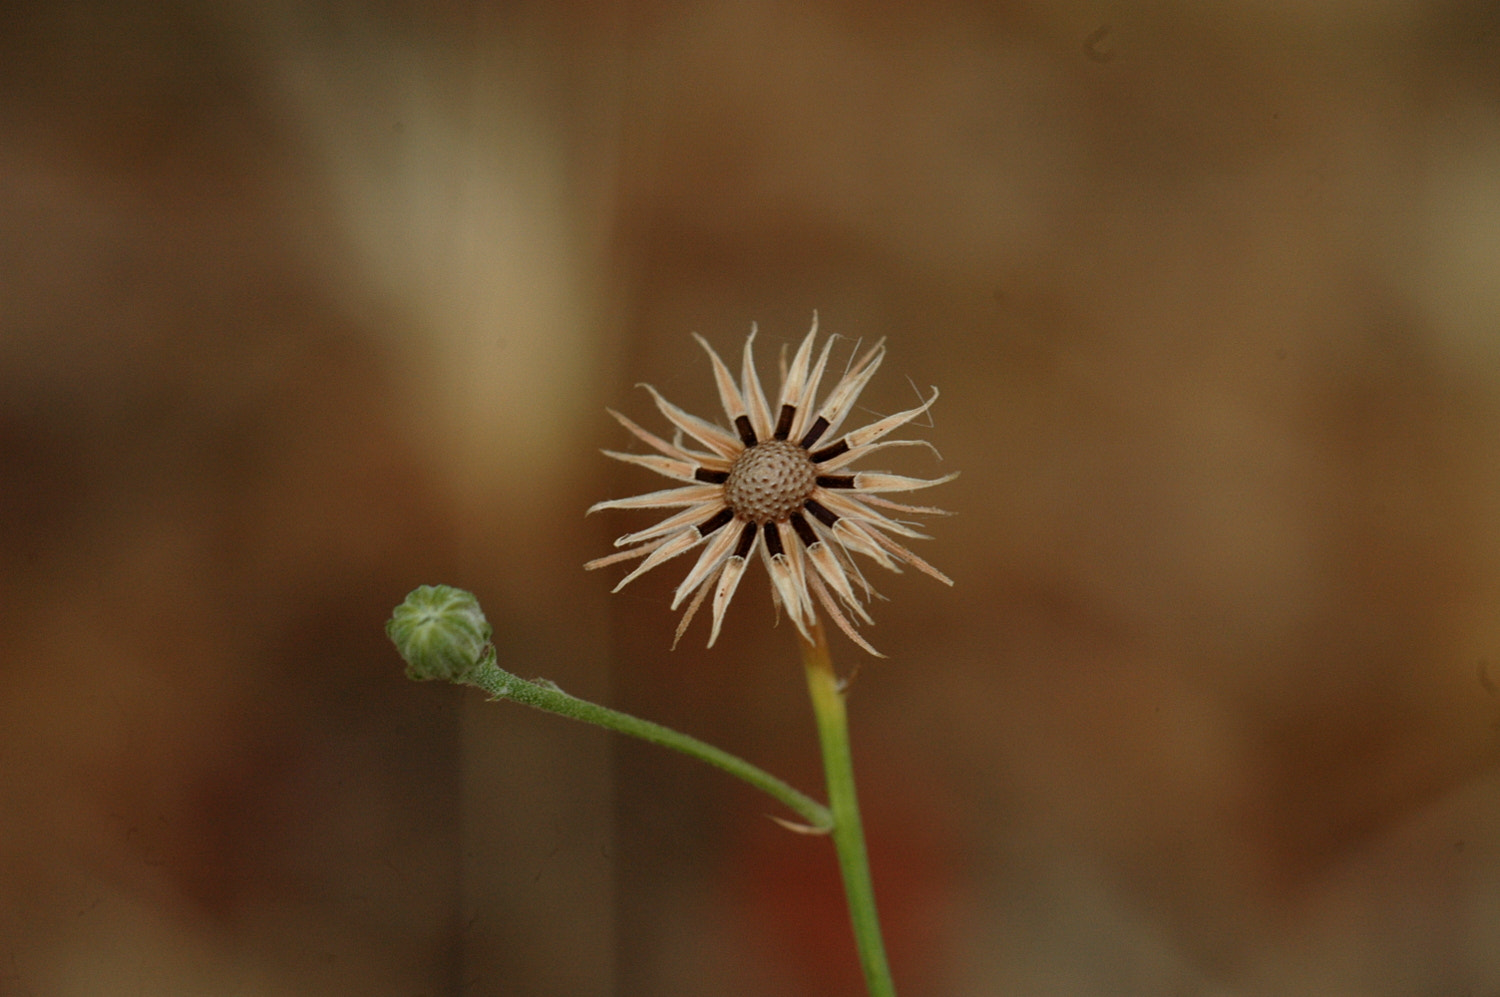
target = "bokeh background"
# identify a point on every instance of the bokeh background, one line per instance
(305, 304)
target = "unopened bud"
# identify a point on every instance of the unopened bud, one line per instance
(441, 633)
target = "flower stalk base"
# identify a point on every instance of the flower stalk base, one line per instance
(848, 831)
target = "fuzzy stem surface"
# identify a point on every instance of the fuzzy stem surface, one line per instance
(501, 684)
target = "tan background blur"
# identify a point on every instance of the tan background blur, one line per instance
(302, 305)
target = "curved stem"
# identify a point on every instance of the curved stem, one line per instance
(501, 684)
(848, 832)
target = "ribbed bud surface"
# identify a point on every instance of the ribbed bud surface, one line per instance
(442, 634)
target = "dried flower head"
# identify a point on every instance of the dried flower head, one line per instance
(768, 486)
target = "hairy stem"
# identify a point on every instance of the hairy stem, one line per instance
(501, 684)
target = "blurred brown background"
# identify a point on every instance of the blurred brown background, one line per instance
(302, 305)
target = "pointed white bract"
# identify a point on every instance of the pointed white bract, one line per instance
(792, 503)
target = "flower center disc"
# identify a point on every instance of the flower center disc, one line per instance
(770, 481)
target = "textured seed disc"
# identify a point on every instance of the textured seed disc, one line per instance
(770, 481)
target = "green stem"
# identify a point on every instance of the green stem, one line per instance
(848, 832)
(501, 684)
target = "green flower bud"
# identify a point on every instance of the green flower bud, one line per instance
(442, 634)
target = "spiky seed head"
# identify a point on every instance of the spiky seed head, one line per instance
(745, 494)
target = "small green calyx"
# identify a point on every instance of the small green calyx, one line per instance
(442, 634)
